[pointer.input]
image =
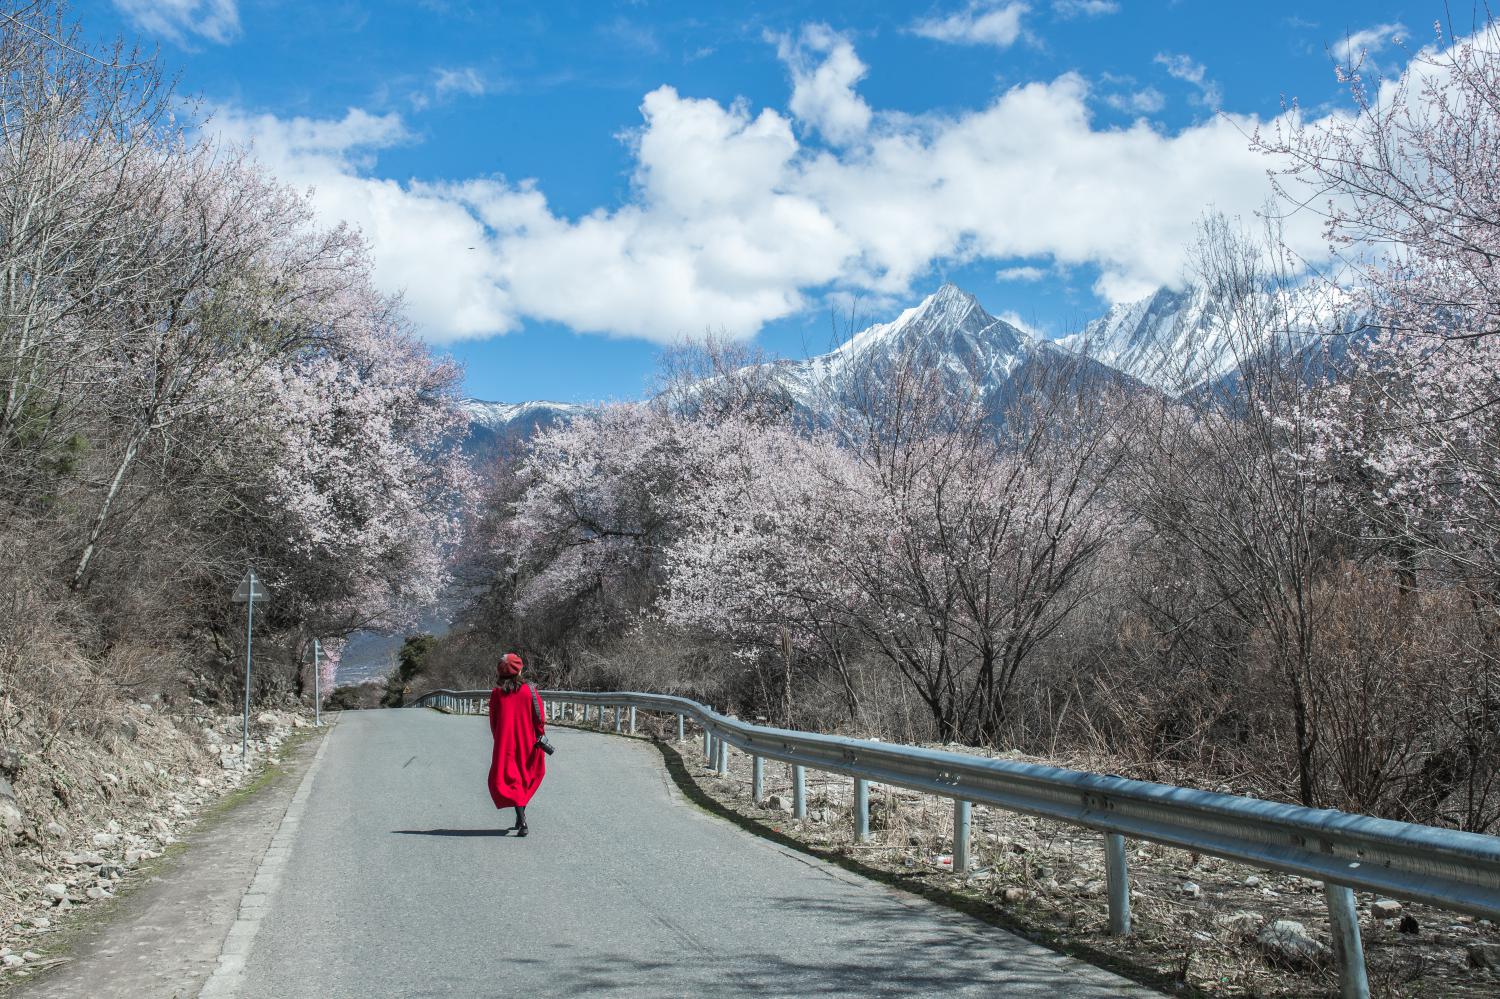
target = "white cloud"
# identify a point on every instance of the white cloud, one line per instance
(425, 243)
(458, 81)
(980, 23)
(447, 82)
(214, 20)
(1084, 8)
(732, 220)
(1368, 42)
(1146, 101)
(824, 71)
(1014, 318)
(1020, 274)
(1190, 71)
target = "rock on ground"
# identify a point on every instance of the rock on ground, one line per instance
(1287, 941)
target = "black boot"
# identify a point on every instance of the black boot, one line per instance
(521, 829)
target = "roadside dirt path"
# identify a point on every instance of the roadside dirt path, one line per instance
(163, 939)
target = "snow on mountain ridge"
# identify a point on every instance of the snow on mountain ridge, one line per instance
(499, 415)
(949, 324)
(1175, 341)
(1179, 341)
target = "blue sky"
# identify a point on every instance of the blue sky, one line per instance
(560, 189)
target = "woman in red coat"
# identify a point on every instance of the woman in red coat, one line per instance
(516, 723)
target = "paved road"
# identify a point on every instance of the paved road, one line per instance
(401, 882)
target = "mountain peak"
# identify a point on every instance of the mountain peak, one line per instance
(949, 300)
(950, 292)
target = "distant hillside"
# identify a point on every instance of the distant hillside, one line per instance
(494, 425)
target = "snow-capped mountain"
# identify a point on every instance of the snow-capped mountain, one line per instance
(502, 417)
(949, 330)
(493, 425)
(1167, 340)
(1176, 342)
(1180, 341)
(977, 356)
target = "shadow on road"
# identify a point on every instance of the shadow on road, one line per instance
(934, 967)
(453, 832)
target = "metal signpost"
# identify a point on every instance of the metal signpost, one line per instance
(317, 680)
(248, 593)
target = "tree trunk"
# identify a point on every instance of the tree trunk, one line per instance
(97, 531)
(1306, 743)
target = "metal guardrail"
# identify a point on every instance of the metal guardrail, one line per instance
(1439, 867)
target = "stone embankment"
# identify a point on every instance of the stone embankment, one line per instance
(86, 810)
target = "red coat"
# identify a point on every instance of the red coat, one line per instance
(517, 765)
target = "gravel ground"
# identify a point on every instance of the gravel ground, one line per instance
(94, 810)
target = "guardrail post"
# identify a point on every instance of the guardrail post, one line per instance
(618, 719)
(1117, 882)
(861, 810)
(632, 720)
(723, 756)
(1343, 919)
(757, 778)
(799, 792)
(961, 837)
(679, 728)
